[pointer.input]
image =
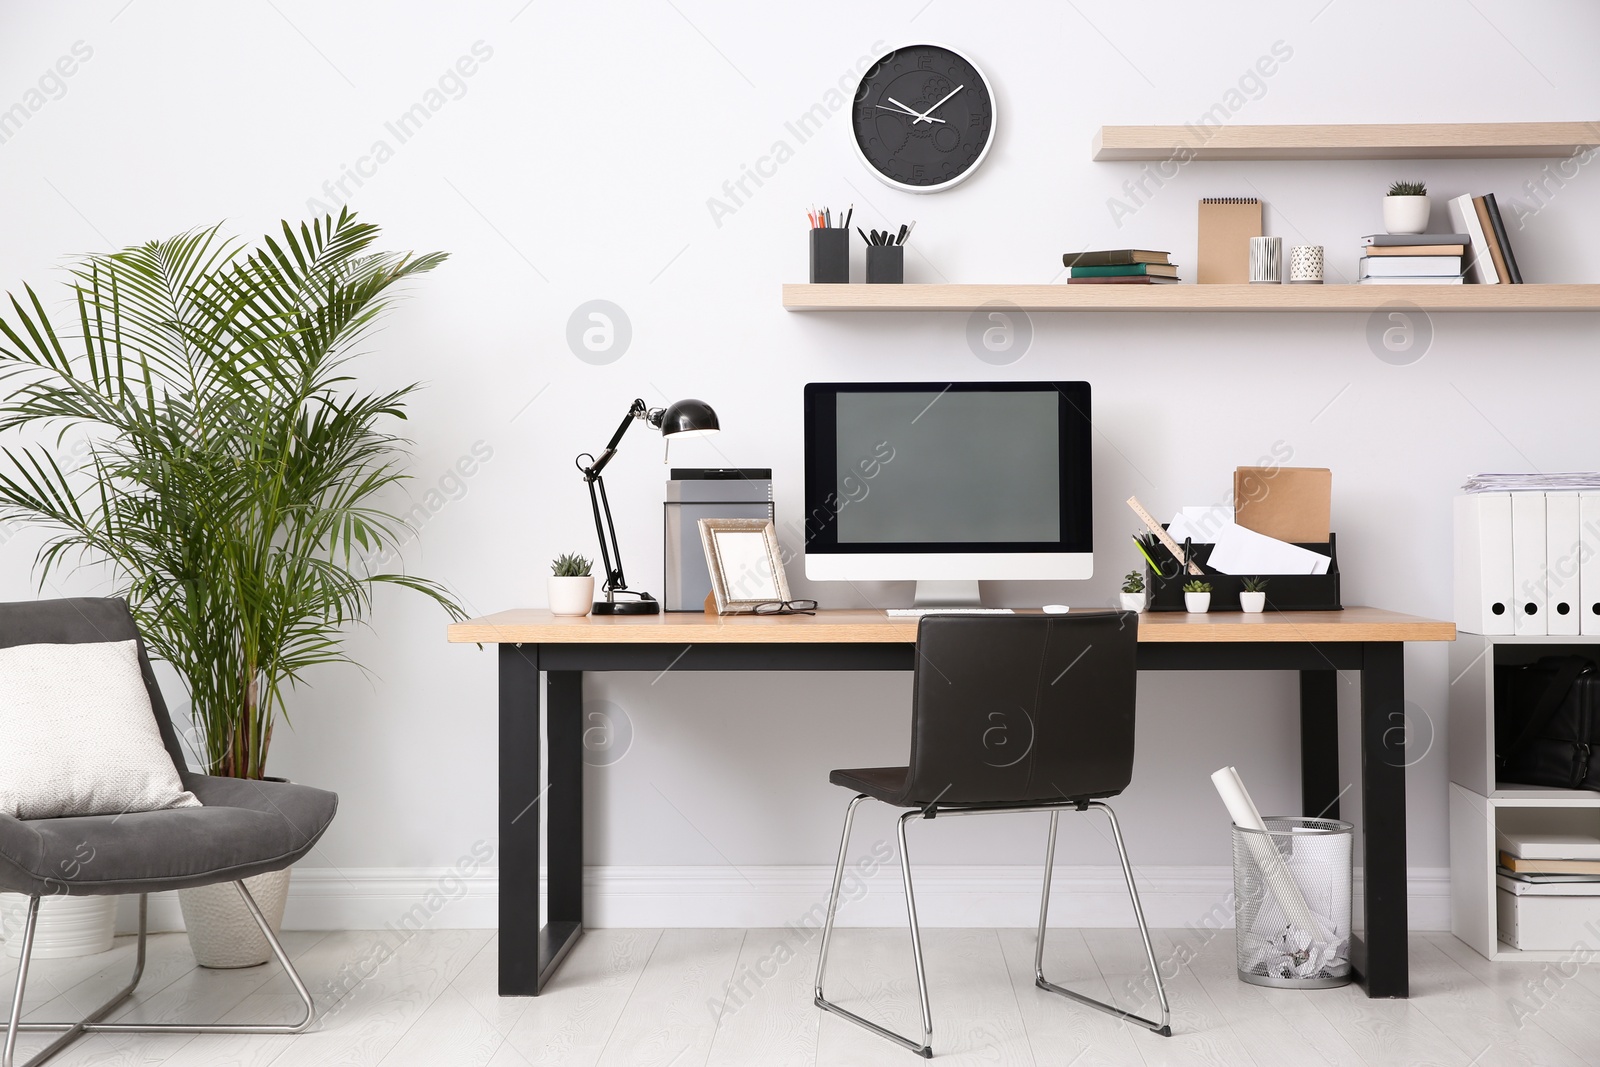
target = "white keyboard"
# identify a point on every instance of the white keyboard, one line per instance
(948, 611)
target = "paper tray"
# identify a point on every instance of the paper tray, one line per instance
(1285, 592)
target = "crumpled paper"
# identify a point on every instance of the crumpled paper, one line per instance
(1293, 953)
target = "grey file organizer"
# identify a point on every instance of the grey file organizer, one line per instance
(711, 493)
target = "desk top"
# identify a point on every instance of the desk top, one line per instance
(538, 626)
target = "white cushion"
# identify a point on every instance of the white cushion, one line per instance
(78, 735)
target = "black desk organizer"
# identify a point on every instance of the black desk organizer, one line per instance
(1285, 592)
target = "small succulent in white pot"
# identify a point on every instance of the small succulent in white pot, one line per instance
(1253, 599)
(570, 585)
(1133, 592)
(1406, 208)
(1197, 597)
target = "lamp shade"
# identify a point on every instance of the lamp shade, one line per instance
(689, 418)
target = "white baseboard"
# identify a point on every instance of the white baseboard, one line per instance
(952, 896)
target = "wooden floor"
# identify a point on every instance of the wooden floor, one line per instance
(661, 997)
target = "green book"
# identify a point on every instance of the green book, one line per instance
(1158, 270)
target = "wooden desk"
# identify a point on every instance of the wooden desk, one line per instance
(1316, 644)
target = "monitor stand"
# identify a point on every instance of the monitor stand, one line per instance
(946, 594)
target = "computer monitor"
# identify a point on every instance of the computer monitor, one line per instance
(947, 484)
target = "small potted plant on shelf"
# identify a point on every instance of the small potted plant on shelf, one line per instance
(1405, 209)
(1254, 597)
(570, 585)
(1133, 592)
(1196, 597)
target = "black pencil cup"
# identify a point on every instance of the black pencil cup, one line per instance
(886, 264)
(830, 256)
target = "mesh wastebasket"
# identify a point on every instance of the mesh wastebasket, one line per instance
(1291, 886)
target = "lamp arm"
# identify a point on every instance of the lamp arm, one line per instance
(607, 532)
(635, 411)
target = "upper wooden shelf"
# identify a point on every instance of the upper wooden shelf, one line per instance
(1423, 140)
(1064, 297)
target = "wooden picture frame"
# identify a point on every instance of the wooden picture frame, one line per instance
(745, 562)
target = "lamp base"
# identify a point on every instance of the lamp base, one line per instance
(647, 605)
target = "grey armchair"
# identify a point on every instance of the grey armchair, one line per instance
(245, 828)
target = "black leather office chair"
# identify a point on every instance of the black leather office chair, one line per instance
(245, 828)
(1010, 713)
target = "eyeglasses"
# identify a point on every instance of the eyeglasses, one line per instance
(786, 607)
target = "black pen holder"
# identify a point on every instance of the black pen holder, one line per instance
(886, 264)
(830, 256)
(1285, 592)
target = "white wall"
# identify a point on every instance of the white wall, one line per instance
(579, 161)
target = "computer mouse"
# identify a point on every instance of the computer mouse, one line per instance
(1056, 609)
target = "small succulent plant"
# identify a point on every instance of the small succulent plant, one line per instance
(1197, 586)
(1133, 583)
(1255, 585)
(570, 565)
(1408, 189)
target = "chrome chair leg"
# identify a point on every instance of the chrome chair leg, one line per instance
(1164, 1027)
(925, 1049)
(91, 1023)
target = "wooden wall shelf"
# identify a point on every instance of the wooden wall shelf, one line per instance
(1063, 297)
(1426, 140)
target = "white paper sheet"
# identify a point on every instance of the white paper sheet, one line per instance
(1200, 524)
(1241, 551)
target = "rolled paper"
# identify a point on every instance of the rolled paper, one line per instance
(1280, 881)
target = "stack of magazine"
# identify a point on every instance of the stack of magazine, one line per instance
(1558, 864)
(1542, 483)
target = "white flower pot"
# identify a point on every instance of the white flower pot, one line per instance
(571, 596)
(68, 926)
(222, 932)
(1133, 601)
(1405, 214)
(1254, 603)
(1197, 603)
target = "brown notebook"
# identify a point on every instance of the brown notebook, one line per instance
(1414, 250)
(1522, 866)
(1226, 225)
(1495, 252)
(1290, 503)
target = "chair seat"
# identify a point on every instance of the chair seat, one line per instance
(245, 828)
(886, 784)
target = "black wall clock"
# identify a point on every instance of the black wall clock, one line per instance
(923, 118)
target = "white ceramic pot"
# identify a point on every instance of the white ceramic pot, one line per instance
(1254, 603)
(222, 932)
(1405, 214)
(1133, 601)
(68, 926)
(1197, 603)
(571, 596)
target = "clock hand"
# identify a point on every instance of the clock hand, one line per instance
(911, 110)
(924, 116)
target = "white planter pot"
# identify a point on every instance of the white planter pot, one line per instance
(1254, 603)
(68, 926)
(571, 596)
(1133, 601)
(222, 932)
(1197, 603)
(1405, 214)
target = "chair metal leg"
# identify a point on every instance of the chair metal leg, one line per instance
(1164, 1027)
(91, 1023)
(925, 1049)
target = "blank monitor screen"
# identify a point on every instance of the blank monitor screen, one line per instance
(983, 469)
(966, 466)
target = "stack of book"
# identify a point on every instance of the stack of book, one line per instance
(1120, 266)
(1412, 258)
(1548, 889)
(1491, 261)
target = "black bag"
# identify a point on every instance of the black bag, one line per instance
(1547, 723)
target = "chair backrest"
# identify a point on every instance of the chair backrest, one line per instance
(85, 621)
(1019, 708)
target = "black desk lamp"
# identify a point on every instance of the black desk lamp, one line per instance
(686, 418)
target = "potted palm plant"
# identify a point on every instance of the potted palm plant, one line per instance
(232, 479)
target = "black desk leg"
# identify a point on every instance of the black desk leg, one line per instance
(1319, 744)
(1382, 958)
(529, 951)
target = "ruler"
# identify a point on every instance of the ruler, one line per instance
(1161, 534)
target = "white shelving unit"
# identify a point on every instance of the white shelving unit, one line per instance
(1481, 807)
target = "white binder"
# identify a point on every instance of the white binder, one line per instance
(1527, 564)
(1483, 563)
(1562, 562)
(1589, 569)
